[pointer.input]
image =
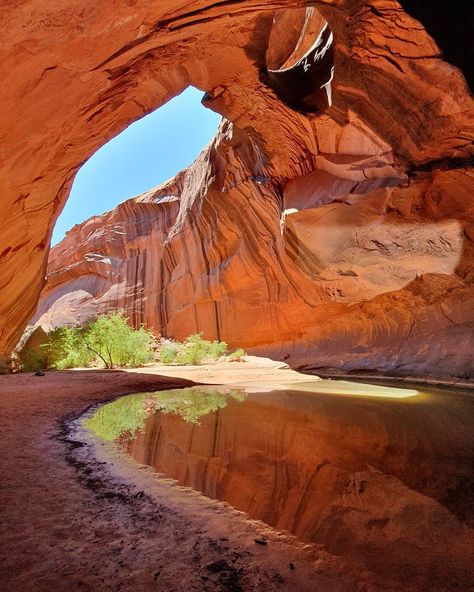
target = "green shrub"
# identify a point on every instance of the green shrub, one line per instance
(136, 349)
(189, 356)
(217, 349)
(34, 361)
(65, 348)
(237, 355)
(112, 340)
(193, 350)
(167, 354)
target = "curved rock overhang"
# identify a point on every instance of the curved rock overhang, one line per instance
(77, 74)
(303, 78)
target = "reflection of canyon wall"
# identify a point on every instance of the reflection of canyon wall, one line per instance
(386, 485)
(374, 269)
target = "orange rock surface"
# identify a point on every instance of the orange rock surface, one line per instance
(337, 233)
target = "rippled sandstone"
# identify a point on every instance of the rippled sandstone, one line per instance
(332, 228)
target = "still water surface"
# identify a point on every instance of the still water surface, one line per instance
(384, 475)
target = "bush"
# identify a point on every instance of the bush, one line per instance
(217, 349)
(167, 354)
(137, 349)
(112, 340)
(193, 350)
(237, 355)
(189, 356)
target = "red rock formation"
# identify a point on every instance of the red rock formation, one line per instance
(111, 261)
(335, 286)
(372, 272)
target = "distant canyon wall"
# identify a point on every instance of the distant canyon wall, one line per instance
(331, 221)
(380, 280)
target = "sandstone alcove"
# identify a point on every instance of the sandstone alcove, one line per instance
(329, 223)
(391, 142)
(299, 59)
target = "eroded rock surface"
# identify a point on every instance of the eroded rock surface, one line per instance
(339, 235)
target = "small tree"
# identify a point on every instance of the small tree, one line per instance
(65, 348)
(111, 339)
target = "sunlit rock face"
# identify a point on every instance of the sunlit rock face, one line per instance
(111, 261)
(331, 229)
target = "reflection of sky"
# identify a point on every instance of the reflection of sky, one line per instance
(148, 152)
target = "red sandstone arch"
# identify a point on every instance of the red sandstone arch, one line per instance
(77, 72)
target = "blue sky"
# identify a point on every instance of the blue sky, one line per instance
(147, 153)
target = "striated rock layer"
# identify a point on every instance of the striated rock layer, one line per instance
(337, 286)
(331, 228)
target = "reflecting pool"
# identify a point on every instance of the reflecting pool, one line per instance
(381, 475)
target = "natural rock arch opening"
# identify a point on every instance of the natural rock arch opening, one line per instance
(148, 152)
(300, 59)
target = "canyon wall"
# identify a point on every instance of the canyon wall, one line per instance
(377, 281)
(331, 221)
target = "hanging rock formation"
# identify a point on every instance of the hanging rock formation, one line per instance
(332, 228)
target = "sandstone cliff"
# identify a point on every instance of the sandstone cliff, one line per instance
(375, 281)
(330, 222)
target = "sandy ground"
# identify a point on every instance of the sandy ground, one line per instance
(76, 517)
(260, 372)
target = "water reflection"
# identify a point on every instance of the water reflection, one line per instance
(342, 388)
(127, 415)
(387, 482)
